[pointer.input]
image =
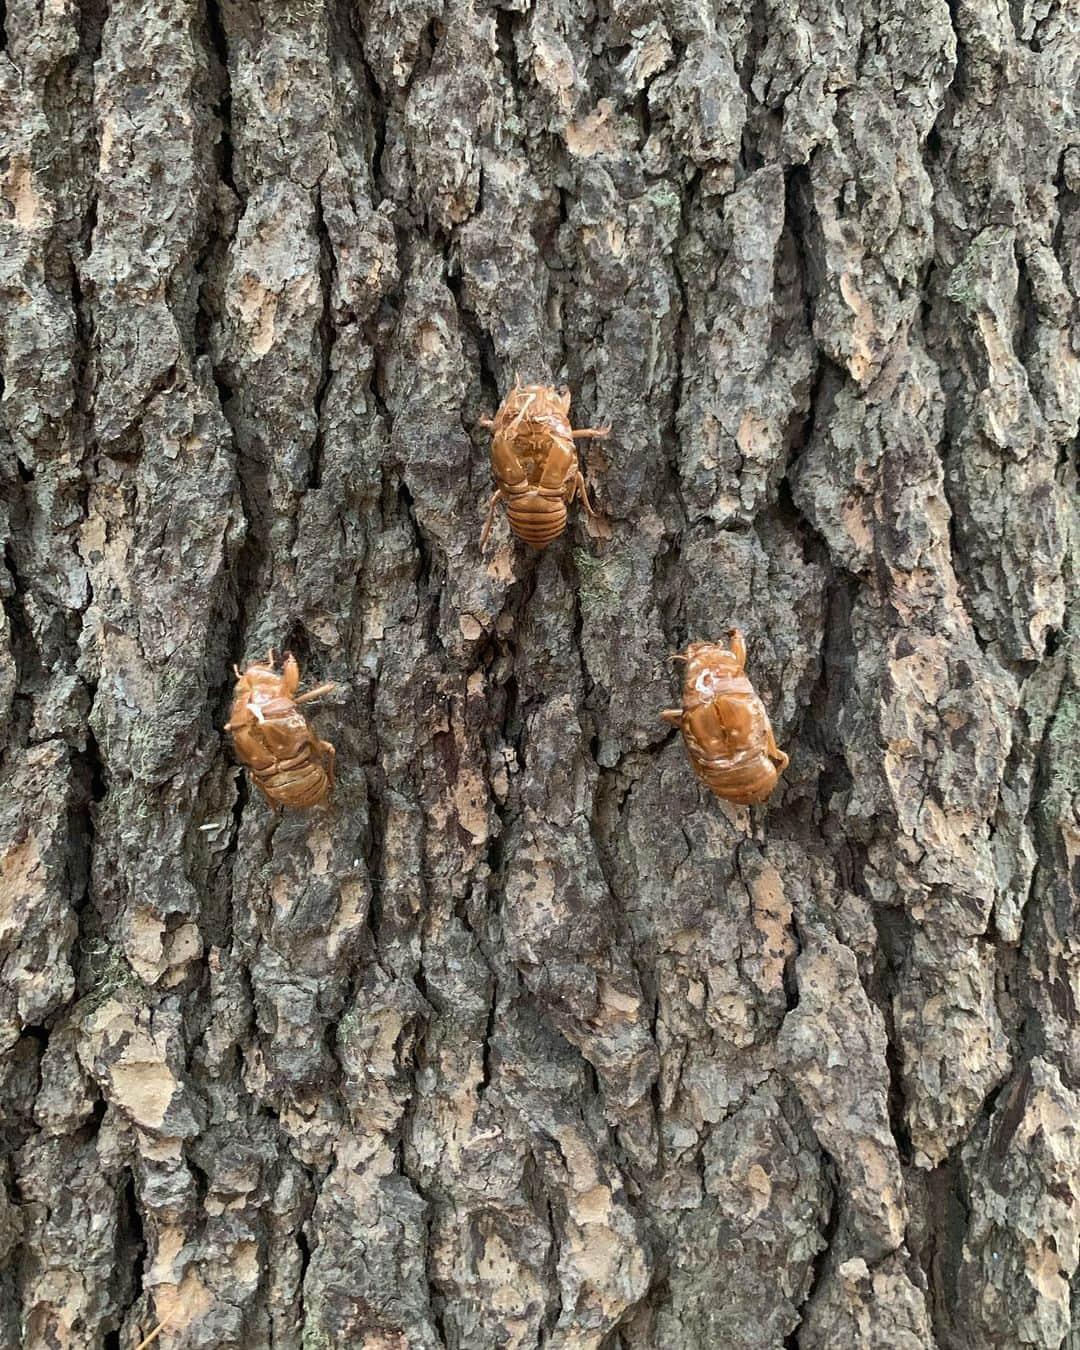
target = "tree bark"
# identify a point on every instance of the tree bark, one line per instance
(526, 1040)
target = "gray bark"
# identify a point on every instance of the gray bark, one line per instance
(526, 1040)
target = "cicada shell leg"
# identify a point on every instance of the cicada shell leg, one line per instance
(583, 492)
(561, 467)
(595, 432)
(290, 676)
(316, 693)
(737, 646)
(505, 464)
(672, 715)
(495, 497)
(775, 753)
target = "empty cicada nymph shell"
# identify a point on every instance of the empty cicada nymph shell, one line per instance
(288, 763)
(535, 462)
(724, 724)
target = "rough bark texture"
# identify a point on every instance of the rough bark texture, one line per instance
(526, 1040)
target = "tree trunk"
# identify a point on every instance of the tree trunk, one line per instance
(527, 1040)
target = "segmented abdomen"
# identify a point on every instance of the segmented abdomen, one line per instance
(746, 782)
(535, 519)
(300, 781)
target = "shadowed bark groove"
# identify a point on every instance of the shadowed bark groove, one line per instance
(525, 1041)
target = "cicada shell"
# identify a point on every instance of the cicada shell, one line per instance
(724, 724)
(535, 462)
(288, 763)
